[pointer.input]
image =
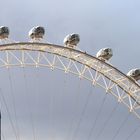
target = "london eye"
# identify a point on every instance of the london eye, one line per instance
(95, 71)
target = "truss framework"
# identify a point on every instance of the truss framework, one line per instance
(100, 73)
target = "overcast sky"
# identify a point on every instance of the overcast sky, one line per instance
(100, 23)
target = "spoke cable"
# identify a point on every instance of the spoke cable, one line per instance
(50, 113)
(9, 115)
(107, 121)
(121, 126)
(97, 117)
(133, 132)
(73, 117)
(38, 90)
(82, 114)
(29, 105)
(14, 103)
(62, 93)
(2, 134)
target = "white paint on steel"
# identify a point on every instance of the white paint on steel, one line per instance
(98, 72)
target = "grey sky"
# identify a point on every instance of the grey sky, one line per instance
(100, 23)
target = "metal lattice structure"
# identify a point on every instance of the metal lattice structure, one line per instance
(100, 73)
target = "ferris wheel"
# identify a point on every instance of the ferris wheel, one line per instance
(70, 59)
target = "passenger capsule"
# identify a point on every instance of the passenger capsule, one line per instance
(134, 73)
(71, 40)
(37, 32)
(104, 54)
(4, 32)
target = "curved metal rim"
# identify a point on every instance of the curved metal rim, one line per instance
(42, 47)
(3, 47)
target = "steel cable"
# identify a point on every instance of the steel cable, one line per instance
(96, 118)
(73, 117)
(133, 132)
(14, 104)
(9, 115)
(107, 121)
(29, 105)
(121, 126)
(82, 115)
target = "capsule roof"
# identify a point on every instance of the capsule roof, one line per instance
(134, 73)
(104, 54)
(37, 32)
(71, 40)
(4, 32)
